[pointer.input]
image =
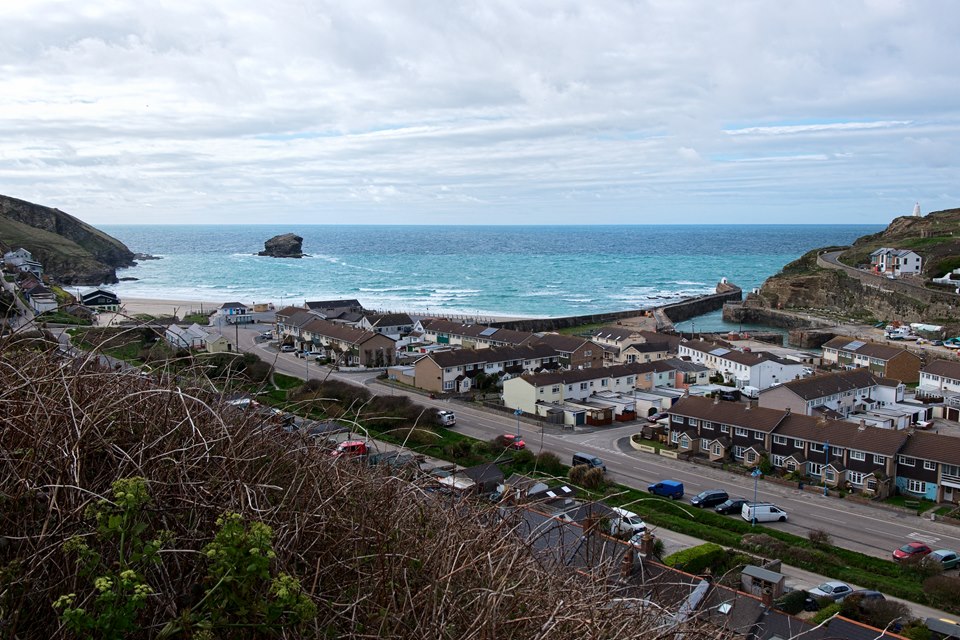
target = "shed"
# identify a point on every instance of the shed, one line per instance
(761, 582)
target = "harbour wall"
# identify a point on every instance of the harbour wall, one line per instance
(665, 315)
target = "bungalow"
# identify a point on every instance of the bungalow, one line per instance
(350, 346)
(575, 352)
(236, 313)
(395, 325)
(101, 300)
(928, 467)
(940, 376)
(756, 369)
(644, 352)
(895, 262)
(843, 392)
(41, 298)
(192, 337)
(717, 428)
(882, 360)
(837, 453)
(469, 336)
(334, 308)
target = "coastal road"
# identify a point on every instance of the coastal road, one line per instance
(865, 528)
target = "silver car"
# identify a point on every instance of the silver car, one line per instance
(835, 590)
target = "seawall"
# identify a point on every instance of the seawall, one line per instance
(665, 315)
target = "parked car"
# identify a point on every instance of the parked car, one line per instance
(589, 460)
(834, 589)
(659, 415)
(672, 489)
(732, 395)
(911, 550)
(446, 418)
(625, 522)
(762, 512)
(866, 595)
(731, 505)
(350, 448)
(948, 558)
(709, 498)
(513, 441)
(287, 348)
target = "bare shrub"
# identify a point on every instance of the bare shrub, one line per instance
(594, 478)
(576, 473)
(943, 592)
(820, 538)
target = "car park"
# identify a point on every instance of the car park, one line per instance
(514, 441)
(911, 550)
(709, 498)
(731, 505)
(948, 558)
(834, 589)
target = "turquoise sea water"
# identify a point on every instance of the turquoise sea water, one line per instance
(476, 270)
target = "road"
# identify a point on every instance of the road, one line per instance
(871, 530)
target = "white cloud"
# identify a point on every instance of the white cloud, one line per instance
(493, 111)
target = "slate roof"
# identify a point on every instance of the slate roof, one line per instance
(460, 357)
(731, 413)
(740, 357)
(827, 384)
(334, 304)
(233, 305)
(340, 332)
(869, 349)
(840, 433)
(90, 295)
(476, 331)
(581, 375)
(301, 318)
(933, 446)
(389, 319)
(945, 368)
(560, 342)
(617, 334)
(289, 311)
(648, 347)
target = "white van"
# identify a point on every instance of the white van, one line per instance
(623, 522)
(446, 418)
(750, 392)
(762, 512)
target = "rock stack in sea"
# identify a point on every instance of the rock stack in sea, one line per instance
(287, 245)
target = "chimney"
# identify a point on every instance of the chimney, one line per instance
(626, 564)
(863, 425)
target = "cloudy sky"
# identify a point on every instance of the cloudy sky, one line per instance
(481, 112)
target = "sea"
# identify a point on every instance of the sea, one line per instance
(473, 271)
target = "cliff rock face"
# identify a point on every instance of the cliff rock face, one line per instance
(71, 251)
(288, 245)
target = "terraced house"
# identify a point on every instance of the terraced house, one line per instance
(836, 394)
(347, 345)
(469, 336)
(928, 467)
(882, 360)
(718, 429)
(457, 370)
(757, 369)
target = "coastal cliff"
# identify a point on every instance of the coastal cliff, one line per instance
(814, 282)
(71, 251)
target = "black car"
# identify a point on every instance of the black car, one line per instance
(732, 395)
(732, 505)
(709, 498)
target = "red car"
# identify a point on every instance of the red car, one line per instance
(514, 442)
(350, 448)
(911, 550)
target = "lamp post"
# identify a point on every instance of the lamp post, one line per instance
(756, 477)
(826, 462)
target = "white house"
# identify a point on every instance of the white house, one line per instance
(756, 369)
(895, 262)
(940, 376)
(41, 299)
(236, 313)
(395, 325)
(192, 337)
(22, 260)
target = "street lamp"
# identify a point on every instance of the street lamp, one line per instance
(756, 477)
(826, 463)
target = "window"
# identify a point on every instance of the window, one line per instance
(917, 486)
(448, 385)
(583, 386)
(693, 422)
(798, 444)
(685, 442)
(630, 380)
(929, 466)
(758, 435)
(855, 478)
(604, 382)
(879, 459)
(814, 469)
(716, 449)
(704, 444)
(588, 352)
(542, 389)
(707, 426)
(778, 461)
(906, 461)
(674, 436)
(831, 474)
(740, 431)
(724, 429)
(447, 370)
(555, 389)
(779, 440)
(738, 452)
(858, 455)
(676, 418)
(751, 457)
(816, 447)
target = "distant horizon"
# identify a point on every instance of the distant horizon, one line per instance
(373, 224)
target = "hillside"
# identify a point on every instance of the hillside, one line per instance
(805, 284)
(71, 251)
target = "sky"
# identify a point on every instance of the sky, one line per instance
(481, 112)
